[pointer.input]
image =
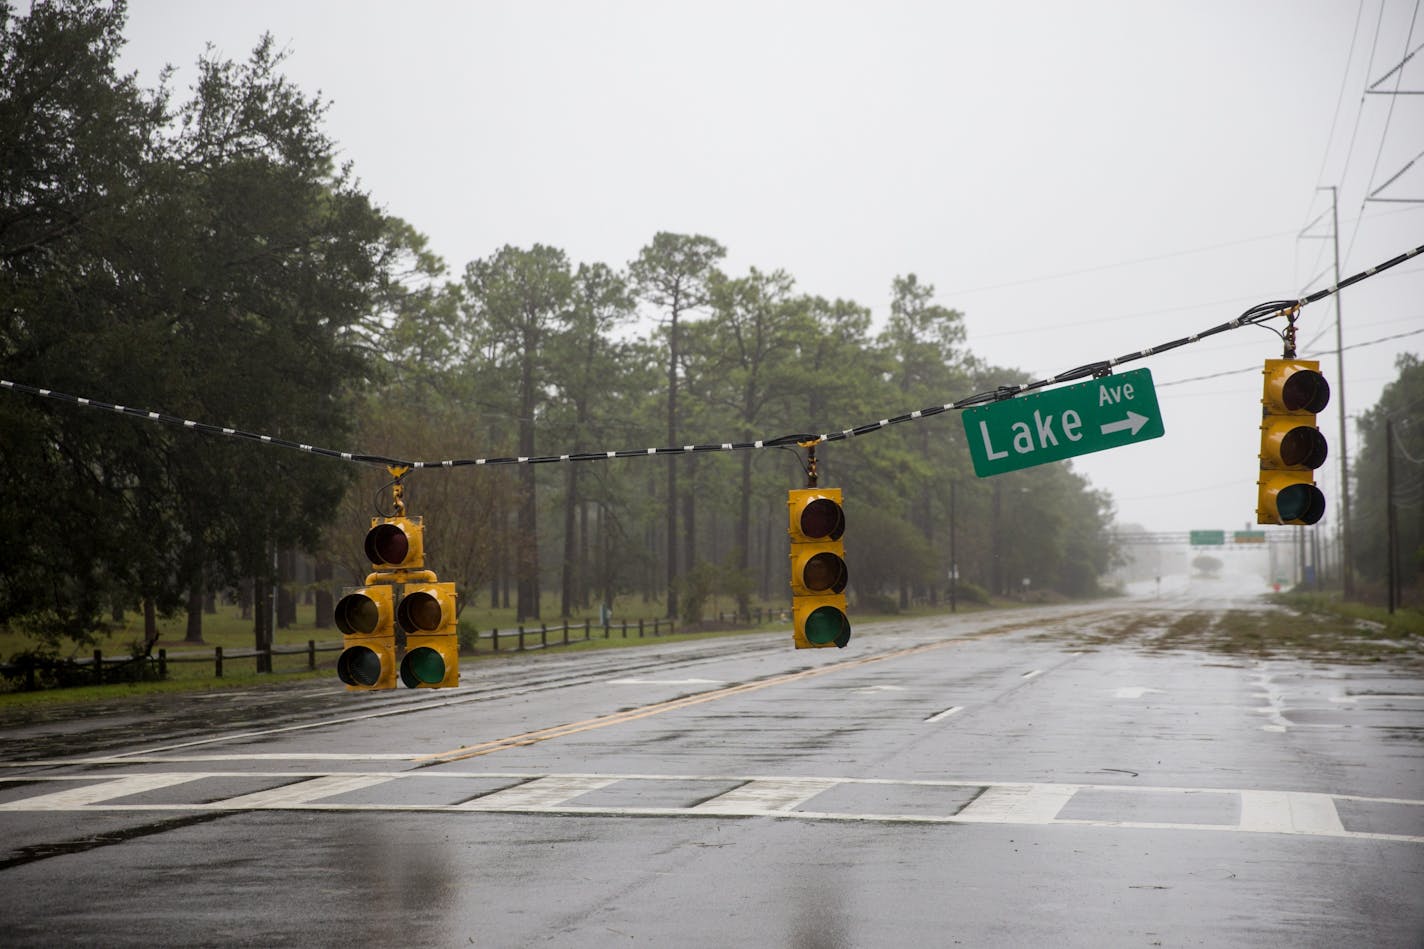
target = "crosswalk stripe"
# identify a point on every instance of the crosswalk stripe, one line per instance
(764, 795)
(88, 795)
(1024, 803)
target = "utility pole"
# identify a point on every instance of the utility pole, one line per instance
(1347, 573)
(1391, 535)
(953, 561)
(1347, 566)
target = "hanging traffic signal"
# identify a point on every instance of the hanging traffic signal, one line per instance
(396, 543)
(370, 617)
(366, 618)
(432, 647)
(818, 569)
(1291, 444)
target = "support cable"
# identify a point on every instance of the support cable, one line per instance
(1255, 316)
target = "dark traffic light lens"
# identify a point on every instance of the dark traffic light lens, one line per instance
(823, 518)
(1305, 391)
(1304, 446)
(359, 666)
(1300, 502)
(387, 543)
(357, 615)
(824, 572)
(422, 664)
(419, 611)
(827, 625)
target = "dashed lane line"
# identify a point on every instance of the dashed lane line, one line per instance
(644, 711)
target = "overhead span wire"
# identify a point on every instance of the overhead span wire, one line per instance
(1256, 315)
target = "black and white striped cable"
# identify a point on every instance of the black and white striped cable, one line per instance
(1258, 314)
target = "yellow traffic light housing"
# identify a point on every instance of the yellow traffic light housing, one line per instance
(1291, 445)
(427, 614)
(366, 618)
(424, 615)
(396, 543)
(816, 524)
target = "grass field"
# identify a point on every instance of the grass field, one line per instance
(1313, 627)
(192, 666)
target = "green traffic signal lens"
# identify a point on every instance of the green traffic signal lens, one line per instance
(419, 612)
(827, 625)
(359, 666)
(422, 665)
(825, 572)
(823, 518)
(1302, 503)
(357, 615)
(387, 543)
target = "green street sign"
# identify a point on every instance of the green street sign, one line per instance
(1060, 423)
(1208, 538)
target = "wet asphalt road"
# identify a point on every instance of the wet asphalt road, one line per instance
(984, 780)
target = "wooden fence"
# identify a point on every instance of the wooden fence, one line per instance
(520, 639)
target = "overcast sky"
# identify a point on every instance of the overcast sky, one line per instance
(1081, 180)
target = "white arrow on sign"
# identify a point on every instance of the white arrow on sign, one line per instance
(1132, 423)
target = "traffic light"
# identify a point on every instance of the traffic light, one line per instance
(396, 543)
(1291, 445)
(818, 569)
(432, 648)
(366, 618)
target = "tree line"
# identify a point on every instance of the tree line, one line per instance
(211, 259)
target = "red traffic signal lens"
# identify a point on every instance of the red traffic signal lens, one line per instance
(1305, 391)
(823, 518)
(359, 666)
(387, 543)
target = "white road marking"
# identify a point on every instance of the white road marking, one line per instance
(540, 793)
(1019, 804)
(85, 795)
(766, 795)
(1290, 812)
(1035, 673)
(1300, 813)
(1134, 692)
(941, 716)
(303, 792)
(666, 682)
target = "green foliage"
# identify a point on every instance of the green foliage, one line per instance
(1401, 405)
(210, 259)
(209, 262)
(972, 593)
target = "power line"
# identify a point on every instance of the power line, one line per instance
(1324, 352)
(1255, 316)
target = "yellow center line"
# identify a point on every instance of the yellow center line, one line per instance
(644, 711)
